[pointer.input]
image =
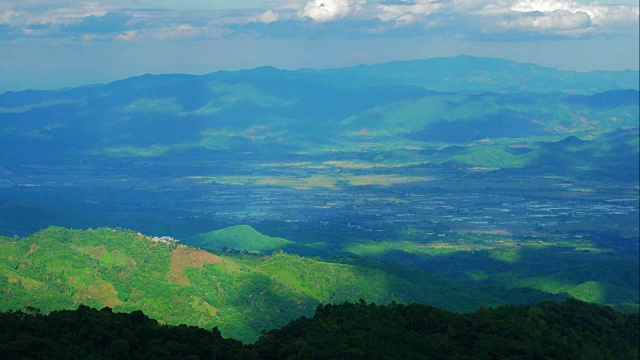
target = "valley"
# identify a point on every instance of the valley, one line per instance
(408, 202)
(290, 189)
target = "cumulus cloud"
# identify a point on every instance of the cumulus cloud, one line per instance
(268, 16)
(598, 13)
(462, 18)
(326, 10)
(568, 14)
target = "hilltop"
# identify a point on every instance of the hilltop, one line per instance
(240, 237)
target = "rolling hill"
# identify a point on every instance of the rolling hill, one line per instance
(58, 269)
(241, 237)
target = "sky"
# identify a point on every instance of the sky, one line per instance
(50, 44)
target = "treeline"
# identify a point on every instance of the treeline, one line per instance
(549, 330)
(87, 333)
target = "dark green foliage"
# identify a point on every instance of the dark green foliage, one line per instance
(549, 330)
(87, 333)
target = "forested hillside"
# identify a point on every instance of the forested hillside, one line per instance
(241, 294)
(570, 330)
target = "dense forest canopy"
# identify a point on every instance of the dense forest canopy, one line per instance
(568, 330)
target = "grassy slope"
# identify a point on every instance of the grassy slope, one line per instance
(58, 269)
(241, 237)
(598, 277)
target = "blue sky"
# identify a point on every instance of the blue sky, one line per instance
(57, 43)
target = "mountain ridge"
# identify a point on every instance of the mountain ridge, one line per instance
(488, 64)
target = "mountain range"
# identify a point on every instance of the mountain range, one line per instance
(277, 113)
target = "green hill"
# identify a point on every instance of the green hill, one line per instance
(611, 282)
(240, 237)
(241, 294)
(604, 277)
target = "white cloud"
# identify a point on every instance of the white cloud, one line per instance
(556, 20)
(567, 14)
(407, 13)
(184, 32)
(599, 13)
(507, 15)
(543, 5)
(614, 16)
(326, 10)
(127, 36)
(268, 16)
(462, 18)
(13, 18)
(67, 16)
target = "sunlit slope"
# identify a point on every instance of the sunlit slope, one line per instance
(58, 268)
(461, 118)
(582, 270)
(613, 154)
(609, 282)
(241, 237)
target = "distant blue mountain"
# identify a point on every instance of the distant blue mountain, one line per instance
(607, 100)
(478, 74)
(276, 113)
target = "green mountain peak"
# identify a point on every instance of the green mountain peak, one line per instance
(239, 237)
